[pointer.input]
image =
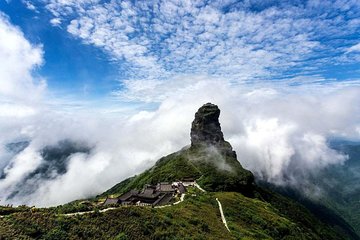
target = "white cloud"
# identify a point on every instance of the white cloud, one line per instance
(29, 5)
(16, 110)
(18, 59)
(276, 133)
(21, 164)
(162, 38)
(55, 21)
(354, 48)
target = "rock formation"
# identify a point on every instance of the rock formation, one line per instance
(205, 128)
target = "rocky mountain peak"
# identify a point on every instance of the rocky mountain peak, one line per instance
(205, 128)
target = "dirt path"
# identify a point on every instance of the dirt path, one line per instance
(112, 208)
(169, 205)
(222, 215)
(87, 212)
(198, 186)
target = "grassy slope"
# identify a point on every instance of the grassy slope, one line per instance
(198, 162)
(255, 219)
(198, 217)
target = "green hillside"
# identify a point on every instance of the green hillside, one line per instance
(261, 215)
(216, 169)
(198, 217)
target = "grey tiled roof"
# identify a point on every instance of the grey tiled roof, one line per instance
(111, 201)
(165, 187)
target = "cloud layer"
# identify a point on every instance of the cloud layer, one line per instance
(238, 40)
(276, 134)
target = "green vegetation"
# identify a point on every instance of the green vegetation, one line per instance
(220, 169)
(278, 218)
(6, 210)
(217, 169)
(170, 168)
(198, 217)
(76, 206)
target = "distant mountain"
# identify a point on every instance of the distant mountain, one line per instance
(339, 186)
(54, 163)
(16, 147)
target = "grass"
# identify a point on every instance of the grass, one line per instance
(197, 162)
(198, 217)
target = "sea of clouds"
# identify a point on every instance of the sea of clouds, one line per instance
(280, 133)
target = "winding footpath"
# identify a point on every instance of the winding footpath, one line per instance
(113, 208)
(220, 207)
(198, 186)
(87, 212)
(222, 215)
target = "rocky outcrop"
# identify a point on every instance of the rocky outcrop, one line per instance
(215, 155)
(205, 128)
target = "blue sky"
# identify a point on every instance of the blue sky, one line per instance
(128, 50)
(70, 67)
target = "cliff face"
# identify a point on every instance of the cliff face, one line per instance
(205, 128)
